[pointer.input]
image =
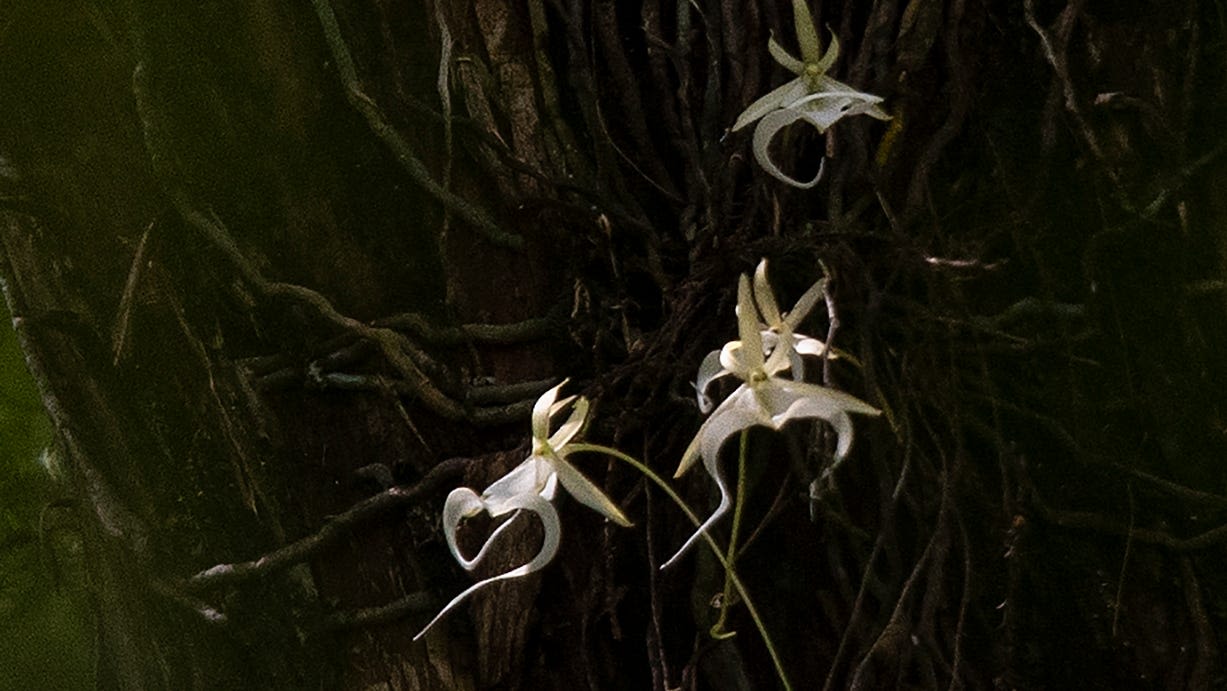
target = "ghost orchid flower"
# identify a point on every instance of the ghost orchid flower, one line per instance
(762, 399)
(772, 323)
(530, 487)
(813, 96)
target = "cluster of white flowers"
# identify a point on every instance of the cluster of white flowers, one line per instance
(766, 348)
(768, 358)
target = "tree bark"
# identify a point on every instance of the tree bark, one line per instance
(286, 273)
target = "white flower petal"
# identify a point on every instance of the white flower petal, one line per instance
(709, 371)
(549, 547)
(796, 364)
(807, 33)
(766, 130)
(733, 359)
(806, 408)
(785, 404)
(807, 345)
(866, 103)
(827, 108)
(764, 297)
(780, 356)
(716, 429)
(770, 338)
(740, 411)
(461, 503)
(838, 398)
(573, 426)
(724, 423)
(691, 454)
(876, 112)
(541, 411)
(587, 493)
(805, 304)
(827, 61)
(551, 486)
(783, 57)
(775, 99)
(747, 328)
(530, 477)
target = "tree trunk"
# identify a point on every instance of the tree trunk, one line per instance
(287, 273)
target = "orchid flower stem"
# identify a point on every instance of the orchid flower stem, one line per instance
(711, 542)
(717, 629)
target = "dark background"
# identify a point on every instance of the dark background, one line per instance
(257, 248)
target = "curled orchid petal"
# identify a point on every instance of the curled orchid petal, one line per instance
(822, 110)
(765, 132)
(462, 503)
(719, 427)
(863, 103)
(828, 107)
(709, 371)
(499, 499)
(549, 547)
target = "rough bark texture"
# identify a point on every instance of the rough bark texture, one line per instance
(286, 273)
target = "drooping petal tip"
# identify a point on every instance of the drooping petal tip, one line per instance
(549, 547)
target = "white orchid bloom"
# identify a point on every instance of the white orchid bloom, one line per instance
(813, 96)
(772, 323)
(529, 486)
(762, 399)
